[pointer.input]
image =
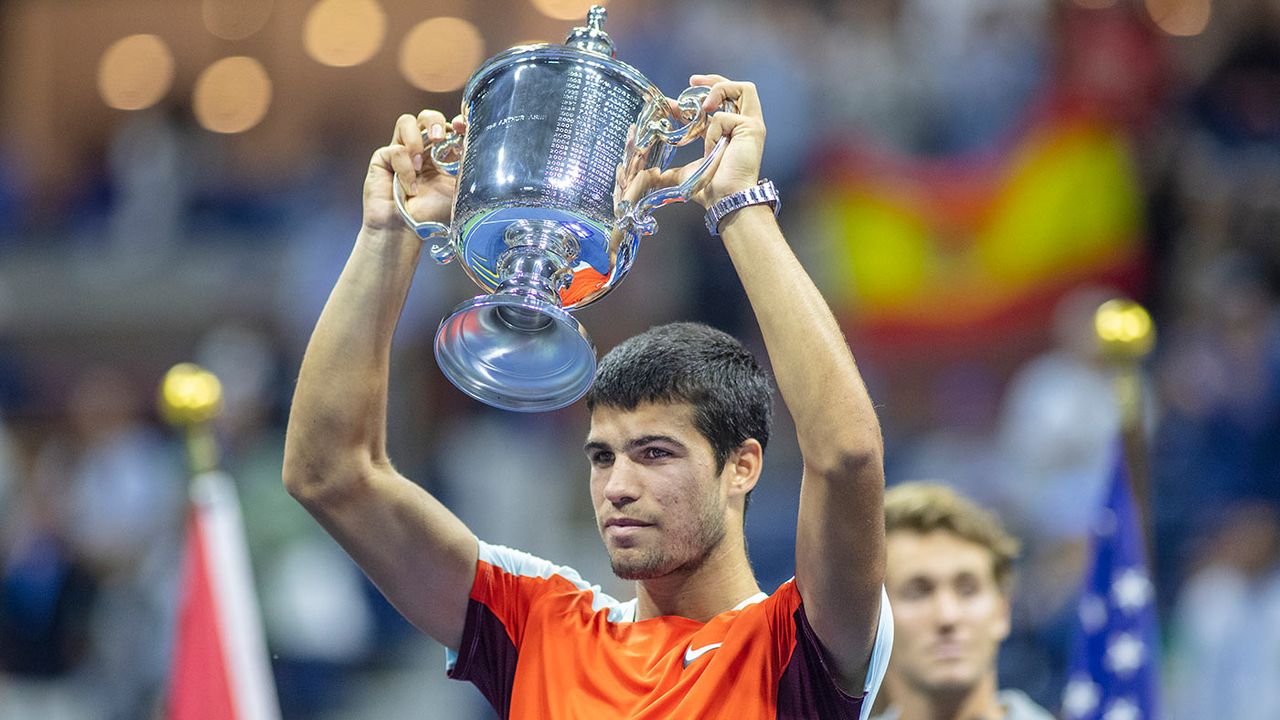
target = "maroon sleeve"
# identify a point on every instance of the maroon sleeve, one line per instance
(807, 688)
(487, 657)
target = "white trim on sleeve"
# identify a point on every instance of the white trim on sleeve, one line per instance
(879, 656)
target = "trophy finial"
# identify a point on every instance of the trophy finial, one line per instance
(189, 395)
(1124, 330)
(596, 17)
(592, 36)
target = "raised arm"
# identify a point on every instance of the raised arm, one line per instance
(417, 552)
(840, 536)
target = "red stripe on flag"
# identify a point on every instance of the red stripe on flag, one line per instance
(200, 686)
(1022, 326)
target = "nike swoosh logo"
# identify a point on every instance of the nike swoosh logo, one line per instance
(691, 654)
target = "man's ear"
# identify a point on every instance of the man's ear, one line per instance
(743, 467)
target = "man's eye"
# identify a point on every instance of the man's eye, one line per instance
(654, 453)
(916, 590)
(601, 458)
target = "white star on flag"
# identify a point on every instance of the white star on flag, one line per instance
(1125, 654)
(1122, 709)
(1080, 697)
(1132, 590)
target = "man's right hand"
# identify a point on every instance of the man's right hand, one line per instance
(407, 160)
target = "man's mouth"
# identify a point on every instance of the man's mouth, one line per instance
(624, 529)
(625, 522)
(948, 650)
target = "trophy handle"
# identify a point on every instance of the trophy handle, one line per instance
(427, 230)
(452, 143)
(690, 106)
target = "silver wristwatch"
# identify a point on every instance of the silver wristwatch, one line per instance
(760, 193)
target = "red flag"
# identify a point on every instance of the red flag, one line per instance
(220, 669)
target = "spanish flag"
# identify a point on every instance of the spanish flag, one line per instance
(926, 254)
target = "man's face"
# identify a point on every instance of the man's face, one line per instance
(660, 505)
(949, 614)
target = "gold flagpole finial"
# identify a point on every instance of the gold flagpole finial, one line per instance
(189, 395)
(1126, 335)
(1124, 330)
(190, 398)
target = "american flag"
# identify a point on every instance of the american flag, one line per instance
(1114, 665)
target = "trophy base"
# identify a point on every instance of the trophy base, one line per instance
(516, 353)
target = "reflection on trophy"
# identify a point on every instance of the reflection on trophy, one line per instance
(557, 181)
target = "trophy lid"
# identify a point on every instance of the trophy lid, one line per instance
(592, 37)
(589, 46)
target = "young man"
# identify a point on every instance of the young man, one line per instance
(679, 420)
(948, 574)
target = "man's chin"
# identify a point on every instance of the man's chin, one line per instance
(630, 567)
(627, 573)
(953, 681)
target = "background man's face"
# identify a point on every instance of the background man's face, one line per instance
(949, 614)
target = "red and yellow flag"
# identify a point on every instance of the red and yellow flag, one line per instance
(931, 253)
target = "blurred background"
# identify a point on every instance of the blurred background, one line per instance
(967, 179)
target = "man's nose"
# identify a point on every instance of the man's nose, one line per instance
(622, 486)
(947, 607)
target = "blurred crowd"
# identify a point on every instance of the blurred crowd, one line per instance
(144, 263)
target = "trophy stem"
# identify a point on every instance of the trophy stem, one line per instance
(519, 349)
(538, 264)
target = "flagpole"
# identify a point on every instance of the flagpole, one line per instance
(1114, 667)
(1126, 335)
(220, 667)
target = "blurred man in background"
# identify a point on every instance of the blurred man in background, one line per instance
(1226, 622)
(949, 576)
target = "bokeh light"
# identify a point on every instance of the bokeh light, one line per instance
(235, 19)
(438, 55)
(565, 9)
(342, 33)
(1181, 18)
(135, 72)
(232, 95)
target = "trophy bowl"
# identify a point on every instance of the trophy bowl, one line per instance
(558, 176)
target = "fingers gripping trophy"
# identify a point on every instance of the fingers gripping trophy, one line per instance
(561, 156)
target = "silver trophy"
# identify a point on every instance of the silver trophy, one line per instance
(558, 176)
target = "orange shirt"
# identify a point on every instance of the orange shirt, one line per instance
(540, 643)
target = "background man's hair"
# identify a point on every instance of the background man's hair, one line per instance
(731, 395)
(922, 507)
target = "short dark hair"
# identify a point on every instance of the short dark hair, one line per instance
(731, 395)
